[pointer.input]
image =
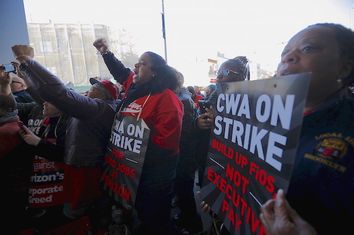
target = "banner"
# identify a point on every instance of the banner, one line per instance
(125, 158)
(47, 183)
(252, 147)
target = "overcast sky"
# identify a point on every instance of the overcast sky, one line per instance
(198, 29)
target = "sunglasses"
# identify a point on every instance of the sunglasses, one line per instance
(226, 73)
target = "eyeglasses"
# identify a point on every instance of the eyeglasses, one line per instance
(226, 73)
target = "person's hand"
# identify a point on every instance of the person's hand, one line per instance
(23, 52)
(279, 218)
(101, 45)
(17, 67)
(28, 136)
(5, 78)
(206, 120)
(22, 74)
(5, 81)
(205, 207)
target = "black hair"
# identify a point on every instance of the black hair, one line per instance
(240, 63)
(7, 104)
(345, 39)
(191, 90)
(165, 76)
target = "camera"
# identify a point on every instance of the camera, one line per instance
(8, 68)
(203, 105)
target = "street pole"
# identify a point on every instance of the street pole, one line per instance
(164, 29)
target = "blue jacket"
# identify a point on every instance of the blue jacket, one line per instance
(322, 186)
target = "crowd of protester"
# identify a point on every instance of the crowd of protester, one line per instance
(43, 122)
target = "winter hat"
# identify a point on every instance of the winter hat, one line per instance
(108, 85)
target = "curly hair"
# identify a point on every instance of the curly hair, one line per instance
(191, 90)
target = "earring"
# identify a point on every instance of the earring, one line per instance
(339, 80)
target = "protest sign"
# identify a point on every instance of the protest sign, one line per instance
(252, 147)
(125, 158)
(47, 182)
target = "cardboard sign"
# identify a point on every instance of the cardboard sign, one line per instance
(125, 158)
(47, 182)
(252, 147)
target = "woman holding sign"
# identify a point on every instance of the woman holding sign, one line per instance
(322, 188)
(142, 156)
(232, 70)
(48, 151)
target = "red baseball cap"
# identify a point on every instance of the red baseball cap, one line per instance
(108, 85)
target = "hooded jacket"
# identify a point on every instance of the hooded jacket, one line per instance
(162, 113)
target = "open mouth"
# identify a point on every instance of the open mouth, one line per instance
(284, 73)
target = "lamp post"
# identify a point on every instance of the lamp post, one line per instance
(164, 28)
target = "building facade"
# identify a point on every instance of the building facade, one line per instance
(67, 50)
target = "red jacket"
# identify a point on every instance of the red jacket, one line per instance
(196, 99)
(9, 137)
(162, 112)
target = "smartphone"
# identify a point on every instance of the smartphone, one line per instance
(8, 68)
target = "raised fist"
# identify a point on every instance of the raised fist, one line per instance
(101, 45)
(22, 52)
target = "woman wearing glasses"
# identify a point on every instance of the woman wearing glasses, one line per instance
(232, 70)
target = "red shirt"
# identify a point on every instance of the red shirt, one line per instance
(196, 99)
